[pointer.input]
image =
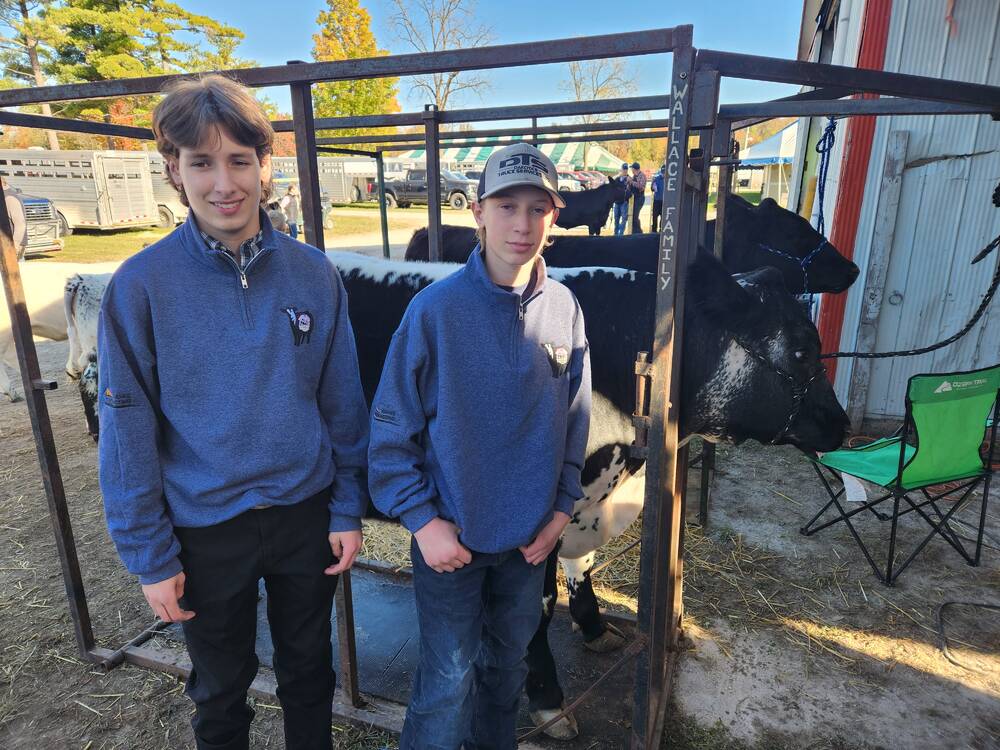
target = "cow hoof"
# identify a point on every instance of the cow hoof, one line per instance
(611, 639)
(14, 397)
(565, 729)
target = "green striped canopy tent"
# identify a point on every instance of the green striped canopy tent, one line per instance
(597, 156)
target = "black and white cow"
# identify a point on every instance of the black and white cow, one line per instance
(733, 326)
(590, 208)
(756, 236)
(82, 306)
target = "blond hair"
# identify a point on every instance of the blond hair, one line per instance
(195, 108)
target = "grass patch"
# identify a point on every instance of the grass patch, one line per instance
(96, 247)
(354, 224)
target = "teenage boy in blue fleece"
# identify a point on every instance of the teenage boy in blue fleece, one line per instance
(478, 437)
(233, 424)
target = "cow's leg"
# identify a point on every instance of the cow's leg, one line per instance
(598, 635)
(8, 359)
(545, 696)
(88, 395)
(73, 366)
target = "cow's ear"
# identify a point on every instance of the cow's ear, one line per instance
(714, 291)
(768, 205)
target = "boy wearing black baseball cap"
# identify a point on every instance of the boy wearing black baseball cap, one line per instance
(478, 440)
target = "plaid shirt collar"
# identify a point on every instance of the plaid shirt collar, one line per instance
(249, 249)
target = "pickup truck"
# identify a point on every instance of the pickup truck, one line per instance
(456, 190)
(44, 232)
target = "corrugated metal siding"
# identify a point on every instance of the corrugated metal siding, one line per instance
(945, 213)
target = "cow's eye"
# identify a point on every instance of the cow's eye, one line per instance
(801, 355)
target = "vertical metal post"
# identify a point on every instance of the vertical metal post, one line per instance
(534, 135)
(659, 577)
(41, 427)
(346, 641)
(383, 218)
(698, 226)
(305, 157)
(431, 146)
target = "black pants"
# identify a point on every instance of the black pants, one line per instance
(288, 547)
(640, 200)
(657, 210)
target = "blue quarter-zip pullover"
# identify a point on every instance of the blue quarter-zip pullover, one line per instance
(482, 413)
(222, 389)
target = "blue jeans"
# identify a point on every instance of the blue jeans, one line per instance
(293, 230)
(475, 626)
(621, 216)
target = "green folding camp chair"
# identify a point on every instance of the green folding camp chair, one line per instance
(945, 417)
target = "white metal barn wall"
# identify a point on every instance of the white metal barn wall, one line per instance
(945, 211)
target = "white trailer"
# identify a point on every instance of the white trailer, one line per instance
(168, 201)
(90, 189)
(342, 180)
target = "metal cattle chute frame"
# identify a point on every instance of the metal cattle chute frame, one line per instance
(692, 106)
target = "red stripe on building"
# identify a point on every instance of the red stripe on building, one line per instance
(853, 173)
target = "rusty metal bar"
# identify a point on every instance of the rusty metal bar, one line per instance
(305, 157)
(384, 714)
(351, 151)
(757, 68)
(382, 215)
(346, 641)
(447, 142)
(41, 428)
(659, 574)
(849, 107)
(640, 417)
(433, 161)
(421, 63)
(575, 128)
(66, 125)
(516, 112)
(722, 143)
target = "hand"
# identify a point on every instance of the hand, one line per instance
(439, 545)
(538, 551)
(163, 596)
(345, 546)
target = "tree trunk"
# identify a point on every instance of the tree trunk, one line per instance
(36, 68)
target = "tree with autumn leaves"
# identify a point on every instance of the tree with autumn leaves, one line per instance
(345, 34)
(72, 41)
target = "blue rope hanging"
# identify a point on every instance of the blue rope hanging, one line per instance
(823, 148)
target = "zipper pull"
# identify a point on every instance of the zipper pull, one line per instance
(243, 280)
(520, 311)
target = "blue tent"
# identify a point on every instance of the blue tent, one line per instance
(778, 149)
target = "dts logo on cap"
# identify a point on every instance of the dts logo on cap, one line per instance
(524, 160)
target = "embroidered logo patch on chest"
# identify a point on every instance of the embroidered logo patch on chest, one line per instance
(558, 359)
(302, 324)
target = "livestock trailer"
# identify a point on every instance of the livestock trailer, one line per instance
(169, 208)
(91, 189)
(343, 180)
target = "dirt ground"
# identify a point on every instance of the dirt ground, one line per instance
(793, 642)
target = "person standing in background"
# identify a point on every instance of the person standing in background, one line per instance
(657, 187)
(638, 192)
(290, 208)
(621, 208)
(18, 223)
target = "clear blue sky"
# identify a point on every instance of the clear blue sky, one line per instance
(280, 31)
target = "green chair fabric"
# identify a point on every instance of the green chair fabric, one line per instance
(940, 442)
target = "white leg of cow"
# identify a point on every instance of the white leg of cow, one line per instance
(10, 386)
(598, 635)
(618, 501)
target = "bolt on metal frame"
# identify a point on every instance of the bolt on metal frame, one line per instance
(692, 106)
